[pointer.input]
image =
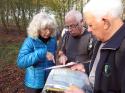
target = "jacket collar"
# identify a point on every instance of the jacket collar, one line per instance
(116, 39)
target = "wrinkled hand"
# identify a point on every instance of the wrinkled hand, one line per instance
(62, 59)
(74, 89)
(50, 56)
(79, 67)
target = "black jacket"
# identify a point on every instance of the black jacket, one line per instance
(110, 72)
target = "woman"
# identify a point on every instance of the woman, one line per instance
(38, 52)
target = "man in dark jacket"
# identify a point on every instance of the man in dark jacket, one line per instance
(77, 43)
(103, 18)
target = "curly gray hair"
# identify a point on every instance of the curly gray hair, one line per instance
(40, 21)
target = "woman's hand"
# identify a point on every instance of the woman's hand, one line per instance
(50, 57)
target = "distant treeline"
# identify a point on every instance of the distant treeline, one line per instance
(17, 13)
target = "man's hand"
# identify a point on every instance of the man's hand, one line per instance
(74, 89)
(79, 67)
(62, 59)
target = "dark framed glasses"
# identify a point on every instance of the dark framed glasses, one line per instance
(72, 26)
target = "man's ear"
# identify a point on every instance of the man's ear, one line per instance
(106, 23)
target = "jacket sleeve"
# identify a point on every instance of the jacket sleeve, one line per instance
(28, 56)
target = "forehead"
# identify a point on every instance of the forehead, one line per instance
(89, 18)
(70, 20)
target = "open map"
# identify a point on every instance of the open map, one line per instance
(60, 79)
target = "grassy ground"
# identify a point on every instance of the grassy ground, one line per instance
(8, 52)
(9, 46)
(11, 77)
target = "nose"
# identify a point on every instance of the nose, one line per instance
(47, 31)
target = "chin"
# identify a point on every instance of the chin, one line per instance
(74, 34)
(47, 38)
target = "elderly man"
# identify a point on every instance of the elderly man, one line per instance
(103, 18)
(77, 42)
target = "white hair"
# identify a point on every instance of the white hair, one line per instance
(74, 13)
(100, 8)
(40, 21)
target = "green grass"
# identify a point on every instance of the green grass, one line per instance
(9, 52)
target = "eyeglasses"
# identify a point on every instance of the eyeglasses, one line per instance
(72, 26)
